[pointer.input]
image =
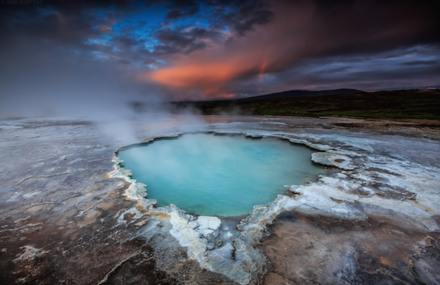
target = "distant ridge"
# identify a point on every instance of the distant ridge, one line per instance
(302, 93)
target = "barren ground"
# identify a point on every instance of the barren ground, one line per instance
(63, 220)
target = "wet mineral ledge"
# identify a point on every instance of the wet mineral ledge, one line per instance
(65, 220)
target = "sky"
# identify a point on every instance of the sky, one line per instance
(88, 53)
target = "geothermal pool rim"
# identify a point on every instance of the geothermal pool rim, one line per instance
(338, 195)
(250, 261)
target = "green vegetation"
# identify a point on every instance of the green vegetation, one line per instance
(408, 104)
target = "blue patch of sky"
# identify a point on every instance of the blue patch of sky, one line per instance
(145, 22)
(142, 23)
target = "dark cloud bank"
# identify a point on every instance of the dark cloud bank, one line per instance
(76, 56)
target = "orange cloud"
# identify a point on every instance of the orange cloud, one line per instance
(196, 74)
(208, 73)
(256, 53)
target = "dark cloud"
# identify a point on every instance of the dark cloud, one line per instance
(174, 38)
(176, 14)
(250, 14)
(325, 28)
(333, 70)
(239, 15)
(13, 14)
(178, 8)
(421, 62)
(378, 72)
(64, 22)
(184, 40)
(79, 6)
(82, 29)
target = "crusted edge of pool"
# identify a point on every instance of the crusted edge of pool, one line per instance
(328, 196)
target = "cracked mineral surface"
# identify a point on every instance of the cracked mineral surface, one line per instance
(71, 215)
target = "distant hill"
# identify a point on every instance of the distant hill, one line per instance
(399, 104)
(302, 93)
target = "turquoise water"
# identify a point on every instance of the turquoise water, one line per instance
(210, 175)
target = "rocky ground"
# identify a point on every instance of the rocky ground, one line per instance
(66, 217)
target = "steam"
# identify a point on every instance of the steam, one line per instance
(48, 81)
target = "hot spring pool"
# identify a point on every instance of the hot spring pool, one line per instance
(217, 175)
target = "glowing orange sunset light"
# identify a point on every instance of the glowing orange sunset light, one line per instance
(196, 74)
(216, 93)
